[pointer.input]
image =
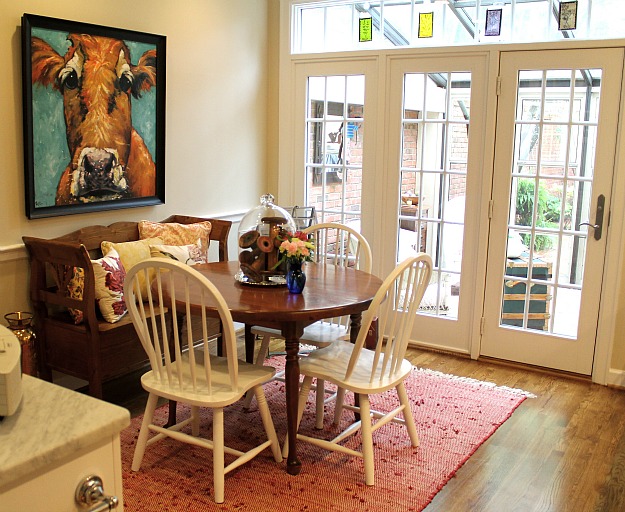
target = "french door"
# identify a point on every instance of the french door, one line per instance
(554, 161)
(418, 185)
(334, 152)
(502, 181)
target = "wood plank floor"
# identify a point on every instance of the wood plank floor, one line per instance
(561, 451)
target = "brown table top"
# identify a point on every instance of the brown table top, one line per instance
(330, 291)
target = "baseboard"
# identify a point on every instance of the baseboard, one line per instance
(616, 378)
(437, 348)
(67, 381)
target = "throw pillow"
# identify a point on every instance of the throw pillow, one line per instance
(75, 288)
(173, 233)
(109, 275)
(131, 253)
(189, 254)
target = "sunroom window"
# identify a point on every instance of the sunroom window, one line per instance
(334, 25)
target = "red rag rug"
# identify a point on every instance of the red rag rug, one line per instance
(454, 416)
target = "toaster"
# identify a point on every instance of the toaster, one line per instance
(10, 372)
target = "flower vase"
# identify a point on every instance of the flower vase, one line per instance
(295, 277)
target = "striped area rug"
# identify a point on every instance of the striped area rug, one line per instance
(454, 416)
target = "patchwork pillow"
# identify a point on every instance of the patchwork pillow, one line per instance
(75, 288)
(189, 254)
(109, 286)
(173, 233)
(131, 253)
(109, 273)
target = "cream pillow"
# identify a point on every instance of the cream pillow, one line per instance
(131, 253)
(189, 254)
(173, 233)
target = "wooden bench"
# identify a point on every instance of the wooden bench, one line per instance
(95, 350)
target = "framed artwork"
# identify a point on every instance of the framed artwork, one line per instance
(426, 24)
(567, 18)
(94, 117)
(365, 31)
(493, 22)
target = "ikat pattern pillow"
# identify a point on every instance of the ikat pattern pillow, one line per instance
(173, 233)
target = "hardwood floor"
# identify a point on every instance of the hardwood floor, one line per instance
(561, 451)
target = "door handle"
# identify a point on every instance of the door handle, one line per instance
(598, 226)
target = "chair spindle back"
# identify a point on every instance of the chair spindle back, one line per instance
(342, 246)
(184, 292)
(395, 305)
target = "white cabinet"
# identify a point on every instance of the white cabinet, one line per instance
(56, 438)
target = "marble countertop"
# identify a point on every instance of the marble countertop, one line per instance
(51, 425)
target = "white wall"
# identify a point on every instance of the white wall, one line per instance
(221, 75)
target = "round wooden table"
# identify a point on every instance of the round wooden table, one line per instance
(330, 291)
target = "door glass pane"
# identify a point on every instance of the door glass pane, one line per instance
(550, 196)
(335, 130)
(434, 155)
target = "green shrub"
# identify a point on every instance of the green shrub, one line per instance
(548, 211)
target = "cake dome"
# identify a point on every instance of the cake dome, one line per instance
(260, 234)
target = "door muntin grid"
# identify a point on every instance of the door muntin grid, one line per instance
(433, 172)
(335, 129)
(551, 191)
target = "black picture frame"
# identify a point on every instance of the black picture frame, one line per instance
(93, 117)
(493, 22)
(567, 15)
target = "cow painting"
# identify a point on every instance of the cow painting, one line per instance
(97, 79)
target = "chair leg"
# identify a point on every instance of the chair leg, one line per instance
(142, 440)
(260, 359)
(319, 402)
(367, 438)
(171, 420)
(195, 423)
(338, 405)
(408, 418)
(301, 404)
(218, 454)
(265, 415)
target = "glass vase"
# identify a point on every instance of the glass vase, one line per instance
(295, 277)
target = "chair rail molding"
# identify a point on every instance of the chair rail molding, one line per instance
(13, 252)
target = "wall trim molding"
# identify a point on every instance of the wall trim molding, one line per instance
(13, 252)
(16, 252)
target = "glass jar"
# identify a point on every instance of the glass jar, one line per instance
(259, 239)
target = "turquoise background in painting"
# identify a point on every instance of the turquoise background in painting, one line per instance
(50, 153)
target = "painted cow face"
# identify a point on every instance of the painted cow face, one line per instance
(97, 80)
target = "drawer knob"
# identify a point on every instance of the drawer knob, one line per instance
(90, 495)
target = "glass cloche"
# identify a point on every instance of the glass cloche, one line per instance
(259, 238)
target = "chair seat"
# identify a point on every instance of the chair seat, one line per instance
(221, 395)
(319, 333)
(329, 363)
